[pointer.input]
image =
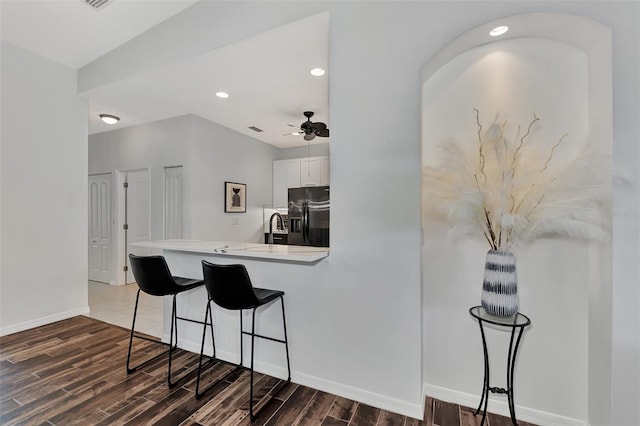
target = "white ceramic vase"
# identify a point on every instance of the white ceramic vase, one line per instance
(500, 285)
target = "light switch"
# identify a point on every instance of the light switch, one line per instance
(235, 221)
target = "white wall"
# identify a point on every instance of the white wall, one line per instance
(219, 154)
(44, 192)
(313, 150)
(373, 339)
(515, 78)
(626, 212)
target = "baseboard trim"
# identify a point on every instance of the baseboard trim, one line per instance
(361, 395)
(500, 407)
(340, 389)
(42, 321)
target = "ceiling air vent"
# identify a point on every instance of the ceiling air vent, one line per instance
(98, 4)
(256, 129)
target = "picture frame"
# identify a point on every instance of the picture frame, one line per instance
(235, 197)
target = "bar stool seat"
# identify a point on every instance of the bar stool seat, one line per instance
(265, 296)
(154, 278)
(187, 283)
(230, 287)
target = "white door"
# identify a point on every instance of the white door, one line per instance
(173, 202)
(100, 227)
(137, 214)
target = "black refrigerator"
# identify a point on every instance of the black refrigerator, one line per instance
(309, 216)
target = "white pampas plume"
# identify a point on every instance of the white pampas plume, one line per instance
(509, 189)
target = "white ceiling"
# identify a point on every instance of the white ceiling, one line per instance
(267, 76)
(72, 33)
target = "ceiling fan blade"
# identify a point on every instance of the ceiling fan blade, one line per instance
(316, 127)
(291, 125)
(324, 133)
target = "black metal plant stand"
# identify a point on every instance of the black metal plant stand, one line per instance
(516, 322)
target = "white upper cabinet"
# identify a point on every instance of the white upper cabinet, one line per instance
(324, 171)
(310, 171)
(293, 173)
(297, 172)
(314, 171)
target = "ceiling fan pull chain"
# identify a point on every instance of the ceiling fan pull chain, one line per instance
(308, 168)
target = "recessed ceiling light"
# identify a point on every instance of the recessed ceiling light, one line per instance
(317, 72)
(223, 95)
(498, 31)
(109, 119)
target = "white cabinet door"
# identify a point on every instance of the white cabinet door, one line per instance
(324, 171)
(173, 202)
(310, 171)
(280, 183)
(293, 173)
(100, 227)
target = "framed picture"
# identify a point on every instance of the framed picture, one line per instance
(235, 197)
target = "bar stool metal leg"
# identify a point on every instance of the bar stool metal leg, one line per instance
(133, 325)
(286, 341)
(208, 320)
(131, 369)
(241, 339)
(253, 335)
(173, 340)
(172, 346)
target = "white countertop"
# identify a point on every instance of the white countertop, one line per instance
(251, 250)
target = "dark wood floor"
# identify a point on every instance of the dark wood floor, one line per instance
(72, 373)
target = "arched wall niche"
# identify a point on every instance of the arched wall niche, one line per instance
(558, 67)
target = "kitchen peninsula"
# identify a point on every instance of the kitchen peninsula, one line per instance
(278, 267)
(282, 253)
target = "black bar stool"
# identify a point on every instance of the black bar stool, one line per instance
(154, 278)
(229, 287)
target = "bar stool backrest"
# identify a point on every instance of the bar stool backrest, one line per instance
(152, 275)
(229, 286)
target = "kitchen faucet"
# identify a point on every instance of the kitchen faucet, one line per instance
(280, 225)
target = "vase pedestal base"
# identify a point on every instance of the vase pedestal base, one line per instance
(515, 322)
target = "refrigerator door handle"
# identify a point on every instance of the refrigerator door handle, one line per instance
(305, 222)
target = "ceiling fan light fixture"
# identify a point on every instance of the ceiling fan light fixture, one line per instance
(223, 95)
(309, 128)
(109, 118)
(317, 72)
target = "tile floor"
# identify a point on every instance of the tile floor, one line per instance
(114, 304)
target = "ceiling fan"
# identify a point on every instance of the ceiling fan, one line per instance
(311, 129)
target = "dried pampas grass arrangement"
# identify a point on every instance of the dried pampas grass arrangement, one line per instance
(507, 189)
